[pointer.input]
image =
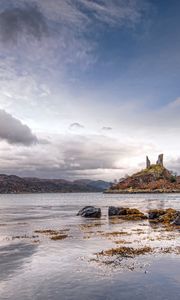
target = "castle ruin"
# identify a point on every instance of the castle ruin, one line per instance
(158, 162)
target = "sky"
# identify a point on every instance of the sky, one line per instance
(88, 88)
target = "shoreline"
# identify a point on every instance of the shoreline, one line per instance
(142, 192)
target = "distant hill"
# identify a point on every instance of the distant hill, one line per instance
(154, 179)
(15, 184)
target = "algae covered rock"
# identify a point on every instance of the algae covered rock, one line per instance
(155, 213)
(116, 211)
(90, 212)
(126, 213)
(177, 220)
(165, 216)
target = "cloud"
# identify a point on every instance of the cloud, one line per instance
(14, 132)
(174, 164)
(84, 12)
(16, 21)
(73, 156)
(114, 12)
(174, 104)
(33, 34)
(55, 20)
(76, 125)
(106, 128)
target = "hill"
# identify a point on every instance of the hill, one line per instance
(14, 184)
(155, 178)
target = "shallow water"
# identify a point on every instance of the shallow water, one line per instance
(32, 266)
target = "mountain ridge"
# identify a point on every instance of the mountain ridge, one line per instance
(13, 184)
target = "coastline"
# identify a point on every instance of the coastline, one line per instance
(142, 192)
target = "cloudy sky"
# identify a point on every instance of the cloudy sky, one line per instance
(88, 87)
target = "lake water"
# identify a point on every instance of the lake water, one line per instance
(34, 267)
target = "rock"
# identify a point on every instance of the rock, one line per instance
(90, 212)
(177, 220)
(155, 213)
(131, 214)
(116, 211)
(165, 216)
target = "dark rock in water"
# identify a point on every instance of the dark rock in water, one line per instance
(116, 211)
(131, 214)
(177, 220)
(155, 213)
(90, 212)
(165, 216)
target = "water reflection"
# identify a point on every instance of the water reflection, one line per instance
(12, 258)
(62, 269)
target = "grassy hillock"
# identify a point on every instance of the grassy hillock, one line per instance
(156, 178)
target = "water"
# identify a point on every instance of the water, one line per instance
(32, 266)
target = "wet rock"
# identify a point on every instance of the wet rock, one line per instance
(155, 213)
(177, 220)
(126, 213)
(116, 211)
(165, 216)
(90, 212)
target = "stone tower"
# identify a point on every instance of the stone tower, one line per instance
(160, 160)
(148, 163)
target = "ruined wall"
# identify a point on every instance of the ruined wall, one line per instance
(158, 162)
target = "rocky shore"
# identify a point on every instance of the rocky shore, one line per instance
(155, 178)
(167, 216)
(151, 233)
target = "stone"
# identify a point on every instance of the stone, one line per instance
(90, 212)
(148, 163)
(116, 211)
(155, 213)
(160, 160)
(125, 213)
(177, 220)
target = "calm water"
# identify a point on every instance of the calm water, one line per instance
(35, 267)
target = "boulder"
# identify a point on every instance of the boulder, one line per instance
(177, 220)
(155, 213)
(165, 216)
(116, 211)
(131, 214)
(90, 212)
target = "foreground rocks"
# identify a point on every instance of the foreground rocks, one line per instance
(126, 213)
(177, 220)
(116, 211)
(168, 216)
(165, 216)
(90, 212)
